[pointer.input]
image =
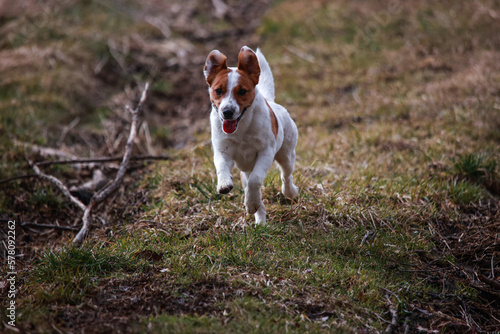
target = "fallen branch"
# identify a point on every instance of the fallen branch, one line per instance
(59, 185)
(45, 151)
(106, 191)
(66, 228)
(85, 161)
(102, 160)
(492, 283)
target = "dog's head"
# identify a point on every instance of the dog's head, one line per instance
(232, 90)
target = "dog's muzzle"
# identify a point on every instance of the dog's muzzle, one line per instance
(229, 125)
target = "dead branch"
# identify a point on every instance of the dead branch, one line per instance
(55, 181)
(102, 160)
(66, 228)
(492, 283)
(48, 152)
(106, 191)
(45, 151)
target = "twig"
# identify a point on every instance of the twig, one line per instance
(67, 228)
(394, 317)
(45, 151)
(67, 129)
(492, 283)
(102, 160)
(106, 191)
(364, 238)
(59, 185)
(85, 161)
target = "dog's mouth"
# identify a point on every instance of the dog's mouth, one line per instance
(230, 125)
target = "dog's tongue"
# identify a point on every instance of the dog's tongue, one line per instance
(229, 126)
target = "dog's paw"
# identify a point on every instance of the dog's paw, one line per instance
(225, 189)
(260, 215)
(252, 204)
(225, 186)
(290, 192)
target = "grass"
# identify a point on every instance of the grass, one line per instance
(245, 316)
(70, 273)
(397, 165)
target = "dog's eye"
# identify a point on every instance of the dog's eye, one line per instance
(218, 91)
(242, 92)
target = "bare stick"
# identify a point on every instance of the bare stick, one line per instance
(66, 228)
(99, 160)
(106, 191)
(492, 283)
(45, 151)
(59, 185)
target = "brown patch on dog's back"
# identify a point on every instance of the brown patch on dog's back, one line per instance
(274, 121)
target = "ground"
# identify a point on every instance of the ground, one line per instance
(396, 227)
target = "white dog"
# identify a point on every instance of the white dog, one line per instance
(248, 127)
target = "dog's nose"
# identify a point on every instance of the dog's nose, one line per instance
(228, 113)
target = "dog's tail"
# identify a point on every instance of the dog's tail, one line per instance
(266, 81)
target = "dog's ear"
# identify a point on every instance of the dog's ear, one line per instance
(248, 63)
(215, 63)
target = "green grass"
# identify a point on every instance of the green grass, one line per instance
(244, 316)
(475, 166)
(67, 275)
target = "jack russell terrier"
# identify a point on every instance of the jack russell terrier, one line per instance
(248, 127)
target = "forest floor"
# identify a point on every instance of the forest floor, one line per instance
(397, 225)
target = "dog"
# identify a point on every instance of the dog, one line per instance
(248, 128)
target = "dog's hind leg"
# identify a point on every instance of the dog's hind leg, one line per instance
(253, 194)
(260, 215)
(286, 161)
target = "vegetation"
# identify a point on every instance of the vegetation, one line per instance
(398, 167)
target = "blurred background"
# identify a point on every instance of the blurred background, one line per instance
(69, 67)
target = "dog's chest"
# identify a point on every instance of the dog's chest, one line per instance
(245, 152)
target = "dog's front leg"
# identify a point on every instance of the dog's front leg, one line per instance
(253, 195)
(223, 165)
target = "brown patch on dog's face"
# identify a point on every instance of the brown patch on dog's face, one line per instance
(232, 91)
(218, 88)
(248, 72)
(244, 91)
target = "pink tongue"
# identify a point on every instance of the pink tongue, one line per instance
(229, 126)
